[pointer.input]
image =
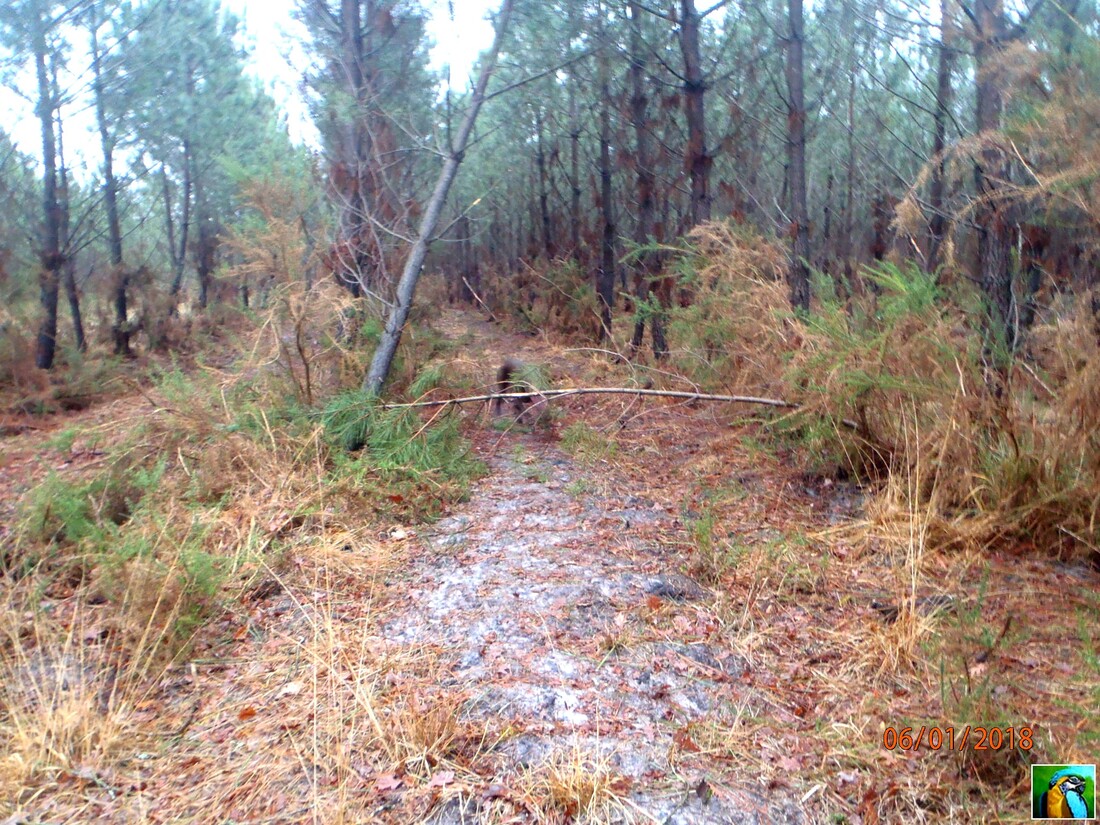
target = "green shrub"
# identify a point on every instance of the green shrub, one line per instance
(391, 456)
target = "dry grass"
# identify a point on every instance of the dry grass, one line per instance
(735, 278)
(165, 529)
(985, 456)
(578, 784)
(62, 712)
(206, 498)
(825, 672)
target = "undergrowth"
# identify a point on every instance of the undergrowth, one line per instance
(392, 456)
(217, 482)
(587, 445)
(898, 386)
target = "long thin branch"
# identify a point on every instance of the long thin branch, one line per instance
(523, 81)
(478, 297)
(687, 396)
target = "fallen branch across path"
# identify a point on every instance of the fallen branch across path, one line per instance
(684, 394)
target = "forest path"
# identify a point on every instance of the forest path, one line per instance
(559, 613)
(537, 656)
(558, 610)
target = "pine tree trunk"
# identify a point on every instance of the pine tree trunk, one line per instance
(605, 275)
(644, 182)
(73, 297)
(696, 159)
(179, 253)
(410, 275)
(847, 244)
(574, 172)
(120, 330)
(990, 173)
(937, 226)
(204, 249)
(544, 191)
(353, 158)
(799, 274)
(68, 268)
(52, 259)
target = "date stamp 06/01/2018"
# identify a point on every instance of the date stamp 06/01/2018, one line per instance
(951, 738)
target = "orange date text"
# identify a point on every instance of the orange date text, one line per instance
(958, 739)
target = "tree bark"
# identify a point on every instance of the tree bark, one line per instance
(990, 172)
(605, 275)
(574, 171)
(544, 189)
(72, 295)
(799, 274)
(51, 258)
(847, 244)
(406, 287)
(937, 226)
(696, 159)
(120, 330)
(179, 253)
(645, 263)
(353, 159)
(68, 268)
(204, 250)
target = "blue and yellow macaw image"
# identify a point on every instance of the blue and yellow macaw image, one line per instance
(1063, 791)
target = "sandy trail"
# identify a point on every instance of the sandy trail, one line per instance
(558, 611)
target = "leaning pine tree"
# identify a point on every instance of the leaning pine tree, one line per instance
(406, 287)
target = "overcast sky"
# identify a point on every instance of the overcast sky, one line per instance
(274, 36)
(274, 40)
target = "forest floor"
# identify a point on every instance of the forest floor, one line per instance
(643, 613)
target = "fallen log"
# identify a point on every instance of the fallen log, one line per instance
(682, 394)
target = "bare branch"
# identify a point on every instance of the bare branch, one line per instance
(532, 78)
(687, 396)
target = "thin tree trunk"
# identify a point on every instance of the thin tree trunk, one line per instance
(696, 159)
(644, 182)
(990, 171)
(848, 242)
(799, 275)
(352, 167)
(72, 295)
(605, 275)
(50, 253)
(68, 268)
(179, 253)
(120, 331)
(544, 192)
(169, 226)
(937, 227)
(574, 171)
(204, 253)
(406, 287)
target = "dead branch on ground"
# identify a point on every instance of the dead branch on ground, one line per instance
(685, 395)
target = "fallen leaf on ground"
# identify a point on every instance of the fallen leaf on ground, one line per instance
(387, 782)
(442, 779)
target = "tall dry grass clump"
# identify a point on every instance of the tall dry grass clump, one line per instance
(732, 334)
(898, 387)
(999, 458)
